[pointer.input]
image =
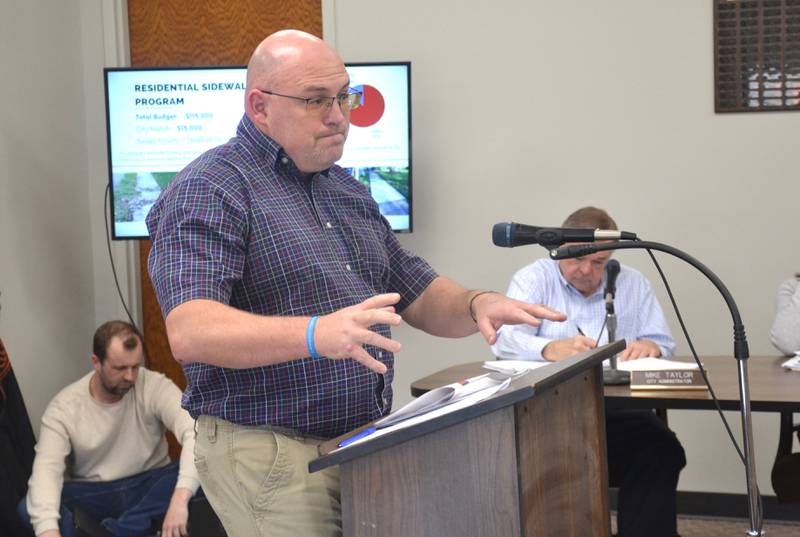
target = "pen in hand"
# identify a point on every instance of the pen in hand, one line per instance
(584, 335)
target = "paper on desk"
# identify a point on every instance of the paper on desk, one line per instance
(452, 407)
(654, 364)
(793, 363)
(513, 367)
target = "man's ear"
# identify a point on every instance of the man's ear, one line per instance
(256, 107)
(96, 363)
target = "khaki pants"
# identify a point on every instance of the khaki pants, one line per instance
(257, 481)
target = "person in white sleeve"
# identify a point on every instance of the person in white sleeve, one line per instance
(102, 448)
(785, 332)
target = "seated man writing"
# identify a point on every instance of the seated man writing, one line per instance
(644, 457)
(102, 448)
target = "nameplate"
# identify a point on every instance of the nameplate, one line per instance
(673, 379)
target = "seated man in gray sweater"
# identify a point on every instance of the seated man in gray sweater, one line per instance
(785, 333)
(102, 448)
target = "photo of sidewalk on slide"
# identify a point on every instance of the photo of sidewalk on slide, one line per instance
(388, 185)
(135, 193)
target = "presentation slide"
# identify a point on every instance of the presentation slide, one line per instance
(159, 120)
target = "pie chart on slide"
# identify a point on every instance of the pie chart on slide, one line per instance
(371, 109)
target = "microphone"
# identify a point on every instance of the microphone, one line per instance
(612, 271)
(613, 375)
(568, 252)
(511, 234)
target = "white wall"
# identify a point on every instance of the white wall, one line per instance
(525, 110)
(45, 267)
(522, 111)
(54, 273)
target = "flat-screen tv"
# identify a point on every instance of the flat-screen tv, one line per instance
(160, 119)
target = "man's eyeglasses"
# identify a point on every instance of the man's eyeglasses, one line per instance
(348, 100)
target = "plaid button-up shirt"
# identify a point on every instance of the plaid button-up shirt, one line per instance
(242, 226)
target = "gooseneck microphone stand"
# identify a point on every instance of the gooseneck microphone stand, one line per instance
(740, 352)
(613, 376)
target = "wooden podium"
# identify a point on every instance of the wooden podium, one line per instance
(530, 461)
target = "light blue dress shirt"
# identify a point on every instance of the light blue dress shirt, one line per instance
(639, 315)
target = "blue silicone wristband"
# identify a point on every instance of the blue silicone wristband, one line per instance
(312, 350)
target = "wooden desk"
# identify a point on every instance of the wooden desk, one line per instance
(772, 389)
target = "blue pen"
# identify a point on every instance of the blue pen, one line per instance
(358, 436)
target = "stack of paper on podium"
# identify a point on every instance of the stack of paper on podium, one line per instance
(435, 403)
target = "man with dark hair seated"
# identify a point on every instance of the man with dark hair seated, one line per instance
(102, 448)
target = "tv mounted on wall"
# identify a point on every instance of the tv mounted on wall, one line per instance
(160, 119)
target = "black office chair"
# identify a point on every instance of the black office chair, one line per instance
(203, 521)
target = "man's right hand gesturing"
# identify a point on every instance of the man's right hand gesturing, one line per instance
(342, 334)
